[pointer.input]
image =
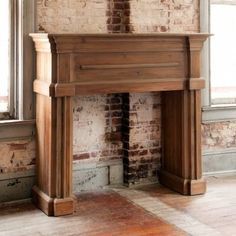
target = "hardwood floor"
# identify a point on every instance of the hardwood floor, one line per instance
(216, 209)
(150, 210)
(97, 214)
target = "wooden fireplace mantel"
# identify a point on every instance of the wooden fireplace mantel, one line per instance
(81, 64)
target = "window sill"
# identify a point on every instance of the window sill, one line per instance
(218, 113)
(16, 129)
(16, 122)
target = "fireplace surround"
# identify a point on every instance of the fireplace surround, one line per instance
(82, 64)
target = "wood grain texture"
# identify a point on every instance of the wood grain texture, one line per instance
(150, 210)
(80, 64)
(181, 119)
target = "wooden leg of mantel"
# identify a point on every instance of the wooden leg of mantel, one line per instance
(181, 163)
(53, 191)
(182, 185)
(52, 206)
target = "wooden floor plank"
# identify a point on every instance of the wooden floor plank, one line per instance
(97, 213)
(150, 210)
(216, 209)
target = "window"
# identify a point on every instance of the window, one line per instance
(223, 52)
(17, 62)
(217, 104)
(17, 20)
(6, 57)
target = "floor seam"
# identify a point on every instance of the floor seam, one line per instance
(179, 219)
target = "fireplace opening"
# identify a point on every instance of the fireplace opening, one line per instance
(116, 140)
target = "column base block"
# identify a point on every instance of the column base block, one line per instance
(181, 185)
(52, 206)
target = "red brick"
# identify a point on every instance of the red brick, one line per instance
(81, 156)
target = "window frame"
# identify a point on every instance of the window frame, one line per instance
(210, 112)
(22, 120)
(10, 114)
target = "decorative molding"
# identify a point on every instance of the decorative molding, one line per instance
(218, 114)
(219, 161)
(219, 151)
(16, 129)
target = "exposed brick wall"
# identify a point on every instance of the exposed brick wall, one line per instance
(74, 16)
(97, 127)
(118, 16)
(219, 135)
(164, 15)
(96, 16)
(141, 135)
(16, 156)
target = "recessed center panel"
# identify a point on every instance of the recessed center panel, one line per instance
(88, 67)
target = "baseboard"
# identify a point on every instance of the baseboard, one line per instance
(220, 173)
(15, 203)
(16, 186)
(89, 175)
(141, 184)
(219, 161)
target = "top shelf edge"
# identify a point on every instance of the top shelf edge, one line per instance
(118, 35)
